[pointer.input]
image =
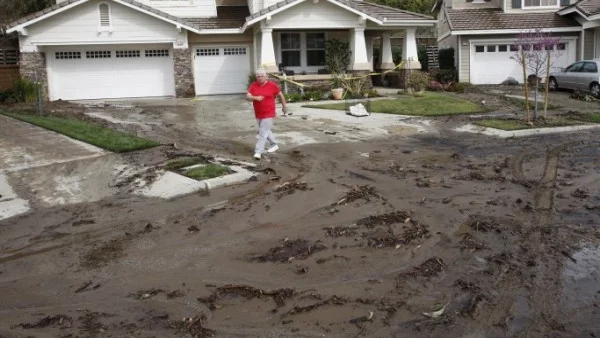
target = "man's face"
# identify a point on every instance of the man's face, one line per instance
(261, 78)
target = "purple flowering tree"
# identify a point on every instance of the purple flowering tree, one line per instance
(537, 52)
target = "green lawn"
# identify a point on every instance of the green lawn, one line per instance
(561, 121)
(207, 171)
(99, 136)
(184, 162)
(430, 104)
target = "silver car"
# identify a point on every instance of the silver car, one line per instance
(581, 75)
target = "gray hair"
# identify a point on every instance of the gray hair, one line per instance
(261, 71)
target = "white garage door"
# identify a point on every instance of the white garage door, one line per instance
(221, 69)
(100, 72)
(491, 62)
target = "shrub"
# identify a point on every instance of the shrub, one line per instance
(438, 86)
(445, 75)
(25, 90)
(446, 58)
(397, 54)
(417, 80)
(293, 97)
(371, 93)
(422, 54)
(337, 55)
(313, 95)
(459, 87)
(251, 79)
(354, 86)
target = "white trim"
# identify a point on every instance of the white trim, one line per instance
(514, 31)
(411, 23)
(569, 10)
(357, 12)
(443, 36)
(280, 9)
(220, 31)
(62, 9)
(102, 42)
(32, 21)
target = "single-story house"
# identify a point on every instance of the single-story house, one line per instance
(484, 34)
(90, 49)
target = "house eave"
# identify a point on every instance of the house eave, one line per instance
(20, 27)
(411, 23)
(221, 31)
(102, 42)
(514, 31)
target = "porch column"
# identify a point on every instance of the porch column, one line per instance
(387, 60)
(267, 51)
(369, 40)
(359, 61)
(410, 58)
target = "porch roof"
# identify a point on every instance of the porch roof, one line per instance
(585, 7)
(227, 17)
(495, 19)
(378, 13)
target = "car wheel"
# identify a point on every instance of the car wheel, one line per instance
(595, 89)
(553, 84)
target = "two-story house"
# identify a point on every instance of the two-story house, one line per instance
(484, 34)
(88, 49)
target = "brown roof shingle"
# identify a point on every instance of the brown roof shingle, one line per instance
(376, 11)
(492, 18)
(227, 17)
(589, 7)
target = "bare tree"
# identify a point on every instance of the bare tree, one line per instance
(537, 52)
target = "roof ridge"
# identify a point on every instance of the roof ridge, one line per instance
(392, 8)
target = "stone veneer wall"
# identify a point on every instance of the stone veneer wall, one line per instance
(184, 74)
(32, 63)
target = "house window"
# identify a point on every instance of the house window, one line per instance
(315, 49)
(290, 49)
(127, 54)
(514, 48)
(67, 55)
(502, 48)
(479, 49)
(156, 53)
(491, 48)
(540, 3)
(98, 54)
(207, 52)
(104, 13)
(234, 51)
(561, 46)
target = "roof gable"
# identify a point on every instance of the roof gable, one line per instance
(377, 13)
(68, 4)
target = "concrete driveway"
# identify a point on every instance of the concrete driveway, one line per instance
(23, 148)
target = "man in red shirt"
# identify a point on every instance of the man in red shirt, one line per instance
(262, 93)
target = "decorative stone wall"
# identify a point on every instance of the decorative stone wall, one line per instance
(184, 74)
(33, 67)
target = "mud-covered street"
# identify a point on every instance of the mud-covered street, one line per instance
(417, 234)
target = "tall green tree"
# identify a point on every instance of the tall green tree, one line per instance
(11, 10)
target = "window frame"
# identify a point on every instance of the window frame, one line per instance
(524, 6)
(303, 67)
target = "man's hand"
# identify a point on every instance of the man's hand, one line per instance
(284, 110)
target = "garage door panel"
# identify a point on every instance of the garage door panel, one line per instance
(111, 77)
(221, 69)
(491, 62)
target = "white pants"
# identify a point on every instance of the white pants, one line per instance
(264, 134)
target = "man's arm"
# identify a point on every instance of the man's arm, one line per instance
(283, 103)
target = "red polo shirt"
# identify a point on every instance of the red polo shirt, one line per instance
(266, 108)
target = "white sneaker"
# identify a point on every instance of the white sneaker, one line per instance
(273, 149)
(257, 156)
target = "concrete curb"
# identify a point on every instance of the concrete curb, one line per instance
(10, 204)
(241, 174)
(471, 128)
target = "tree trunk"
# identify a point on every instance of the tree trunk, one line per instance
(547, 85)
(526, 86)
